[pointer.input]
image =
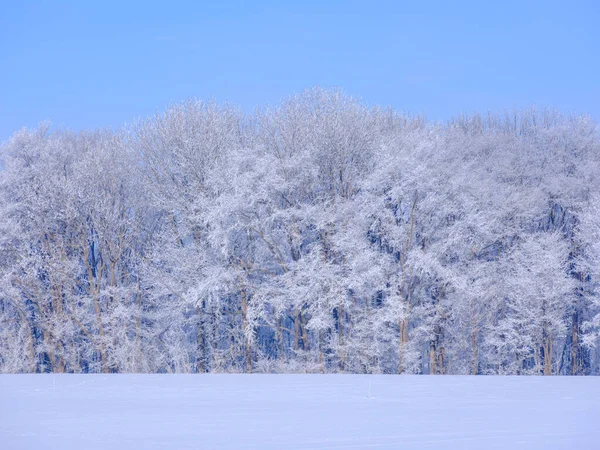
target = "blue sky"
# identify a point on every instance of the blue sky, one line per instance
(88, 64)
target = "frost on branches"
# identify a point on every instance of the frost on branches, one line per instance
(317, 236)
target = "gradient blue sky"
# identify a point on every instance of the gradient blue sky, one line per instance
(87, 64)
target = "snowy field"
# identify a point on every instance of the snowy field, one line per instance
(80, 412)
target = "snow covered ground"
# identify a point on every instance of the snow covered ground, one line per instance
(80, 412)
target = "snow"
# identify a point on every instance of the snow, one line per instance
(316, 412)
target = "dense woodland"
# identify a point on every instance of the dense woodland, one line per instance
(320, 235)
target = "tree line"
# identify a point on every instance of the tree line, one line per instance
(320, 235)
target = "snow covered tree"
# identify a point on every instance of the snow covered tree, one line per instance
(319, 235)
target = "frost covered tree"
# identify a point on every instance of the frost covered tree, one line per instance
(318, 235)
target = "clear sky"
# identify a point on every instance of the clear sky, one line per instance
(88, 64)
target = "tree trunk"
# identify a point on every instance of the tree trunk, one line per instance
(280, 343)
(200, 344)
(342, 350)
(297, 331)
(247, 341)
(574, 352)
(548, 356)
(94, 291)
(404, 290)
(475, 354)
(321, 352)
(432, 359)
(402, 345)
(305, 343)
